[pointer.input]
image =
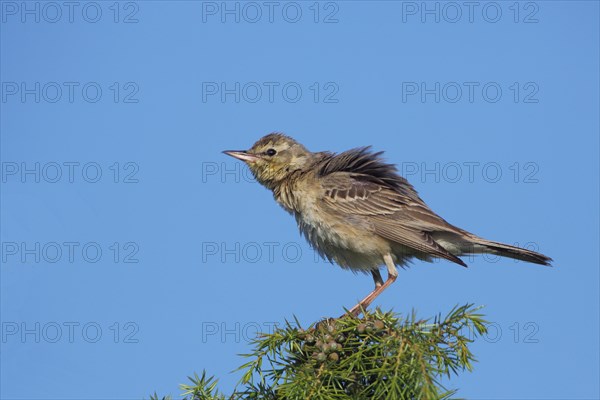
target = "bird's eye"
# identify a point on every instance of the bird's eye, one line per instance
(271, 152)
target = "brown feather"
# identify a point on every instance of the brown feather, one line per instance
(359, 183)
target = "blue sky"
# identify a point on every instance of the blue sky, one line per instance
(135, 253)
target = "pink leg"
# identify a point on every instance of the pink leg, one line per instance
(379, 288)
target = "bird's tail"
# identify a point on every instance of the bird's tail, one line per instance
(479, 245)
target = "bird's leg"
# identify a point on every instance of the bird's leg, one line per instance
(379, 287)
(377, 278)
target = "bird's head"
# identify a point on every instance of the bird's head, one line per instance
(273, 158)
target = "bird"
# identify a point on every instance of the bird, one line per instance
(357, 211)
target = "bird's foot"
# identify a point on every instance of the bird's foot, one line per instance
(356, 310)
(325, 323)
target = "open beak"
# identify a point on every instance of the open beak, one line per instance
(241, 155)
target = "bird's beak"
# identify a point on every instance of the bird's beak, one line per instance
(241, 155)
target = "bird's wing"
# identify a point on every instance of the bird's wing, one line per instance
(393, 215)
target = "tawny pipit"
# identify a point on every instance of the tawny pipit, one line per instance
(354, 209)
